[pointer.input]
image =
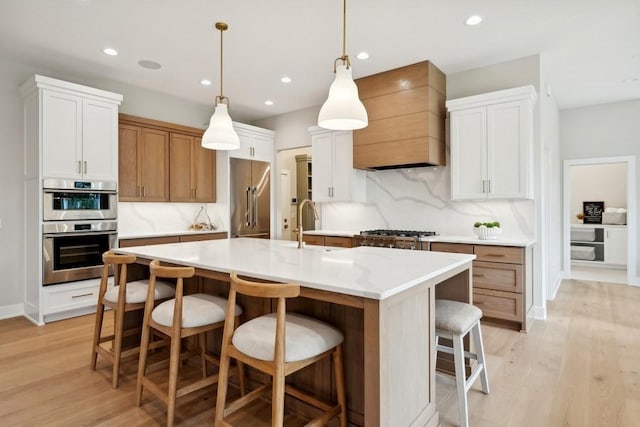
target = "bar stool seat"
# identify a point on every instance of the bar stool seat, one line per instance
(136, 292)
(453, 321)
(305, 337)
(197, 310)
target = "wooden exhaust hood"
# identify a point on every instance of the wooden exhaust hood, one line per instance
(406, 108)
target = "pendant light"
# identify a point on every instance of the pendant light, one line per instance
(343, 110)
(220, 134)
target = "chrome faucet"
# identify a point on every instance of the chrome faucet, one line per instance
(315, 213)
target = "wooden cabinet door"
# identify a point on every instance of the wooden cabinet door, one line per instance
(99, 127)
(153, 165)
(203, 172)
(128, 185)
(180, 168)
(61, 135)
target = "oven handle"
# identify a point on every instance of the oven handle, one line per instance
(78, 233)
(77, 191)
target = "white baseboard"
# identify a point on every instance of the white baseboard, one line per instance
(13, 310)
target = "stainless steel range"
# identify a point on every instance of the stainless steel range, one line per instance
(400, 239)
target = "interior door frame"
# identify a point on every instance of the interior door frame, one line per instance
(630, 161)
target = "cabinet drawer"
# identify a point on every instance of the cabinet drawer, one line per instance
(506, 254)
(497, 276)
(498, 304)
(62, 298)
(339, 242)
(126, 243)
(311, 239)
(460, 248)
(202, 236)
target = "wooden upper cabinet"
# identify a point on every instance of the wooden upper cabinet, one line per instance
(192, 169)
(406, 118)
(160, 161)
(143, 164)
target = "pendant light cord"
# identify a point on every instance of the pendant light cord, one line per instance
(221, 59)
(222, 27)
(344, 58)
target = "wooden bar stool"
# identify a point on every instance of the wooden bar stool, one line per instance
(278, 344)
(121, 299)
(454, 320)
(180, 317)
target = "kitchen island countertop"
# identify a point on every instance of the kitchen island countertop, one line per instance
(375, 273)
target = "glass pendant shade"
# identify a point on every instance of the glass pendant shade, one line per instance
(220, 134)
(343, 110)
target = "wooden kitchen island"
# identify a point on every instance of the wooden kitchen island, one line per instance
(382, 299)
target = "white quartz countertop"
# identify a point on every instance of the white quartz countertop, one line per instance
(338, 233)
(376, 273)
(165, 233)
(473, 240)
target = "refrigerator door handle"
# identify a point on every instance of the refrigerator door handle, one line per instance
(254, 190)
(249, 207)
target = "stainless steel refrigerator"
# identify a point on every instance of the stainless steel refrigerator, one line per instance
(250, 198)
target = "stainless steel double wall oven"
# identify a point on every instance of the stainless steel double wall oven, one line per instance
(79, 225)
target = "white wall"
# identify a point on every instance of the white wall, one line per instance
(137, 101)
(608, 130)
(606, 182)
(291, 128)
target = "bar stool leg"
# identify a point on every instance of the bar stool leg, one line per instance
(202, 338)
(117, 343)
(458, 358)
(96, 333)
(142, 364)
(277, 397)
(339, 379)
(174, 366)
(477, 338)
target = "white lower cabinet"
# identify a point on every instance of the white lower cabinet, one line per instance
(66, 300)
(615, 246)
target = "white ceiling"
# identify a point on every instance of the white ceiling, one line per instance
(588, 47)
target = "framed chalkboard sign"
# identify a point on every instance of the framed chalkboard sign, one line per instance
(592, 212)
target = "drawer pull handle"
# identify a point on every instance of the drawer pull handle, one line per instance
(83, 295)
(497, 255)
(478, 275)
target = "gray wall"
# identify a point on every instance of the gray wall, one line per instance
(607, 130)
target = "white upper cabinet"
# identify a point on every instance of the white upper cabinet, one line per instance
(79, 138)
(492, 145)
(334, 179)
(255, 143)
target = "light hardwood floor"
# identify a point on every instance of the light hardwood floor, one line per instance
(578, 368)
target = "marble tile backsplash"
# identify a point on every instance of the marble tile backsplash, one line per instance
(419, 199)
(138, 218)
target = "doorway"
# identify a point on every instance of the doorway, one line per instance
(594, 249)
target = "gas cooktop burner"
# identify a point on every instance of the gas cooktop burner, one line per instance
(398, 233)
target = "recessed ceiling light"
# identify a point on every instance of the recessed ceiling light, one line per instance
(110, 51)
(285, 79)
(473, 20)
(205, 82)
(152, 65)
(362, 55)
(268, 102)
